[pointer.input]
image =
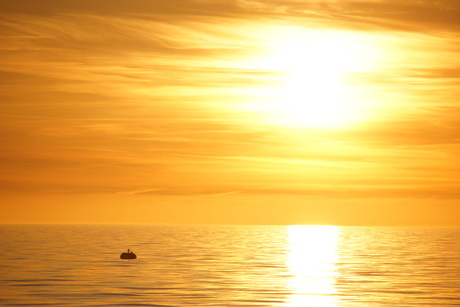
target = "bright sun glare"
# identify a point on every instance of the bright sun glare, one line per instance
(314, 92)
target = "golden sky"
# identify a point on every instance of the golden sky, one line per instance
(230, 111)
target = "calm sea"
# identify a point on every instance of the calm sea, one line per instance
(292, 266)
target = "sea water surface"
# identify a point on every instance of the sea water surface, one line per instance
(289, 266)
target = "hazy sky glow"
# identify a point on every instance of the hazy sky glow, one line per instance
(226, 111)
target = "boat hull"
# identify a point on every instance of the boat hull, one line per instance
(128, 256)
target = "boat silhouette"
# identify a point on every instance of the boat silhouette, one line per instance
(128, 255)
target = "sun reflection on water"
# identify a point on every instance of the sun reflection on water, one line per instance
(311, 261)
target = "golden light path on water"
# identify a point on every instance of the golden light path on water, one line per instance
(311, 261)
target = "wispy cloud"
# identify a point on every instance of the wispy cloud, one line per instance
(156, 99)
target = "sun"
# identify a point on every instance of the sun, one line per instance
(313, 94)
(314, 90)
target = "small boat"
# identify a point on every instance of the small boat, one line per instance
(128, 255)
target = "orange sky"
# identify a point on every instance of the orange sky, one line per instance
(218, 111)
